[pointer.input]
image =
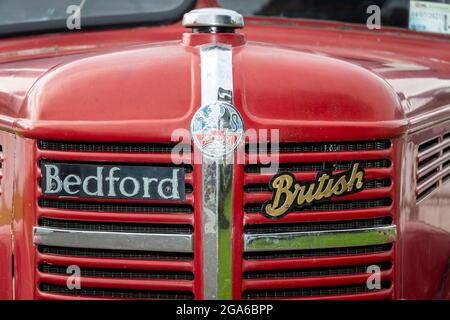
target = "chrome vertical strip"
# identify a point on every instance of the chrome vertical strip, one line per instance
(217, 84)
(216, 71)
(217, 222)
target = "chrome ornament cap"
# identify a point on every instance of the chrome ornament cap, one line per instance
(213, 17)
(217, 129)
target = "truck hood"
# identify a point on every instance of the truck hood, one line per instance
(285, 75)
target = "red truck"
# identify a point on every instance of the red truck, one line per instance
(167, 150)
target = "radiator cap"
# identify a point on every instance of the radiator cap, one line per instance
(213, 20)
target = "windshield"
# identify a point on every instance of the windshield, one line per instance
(431, 16)
(29, 16)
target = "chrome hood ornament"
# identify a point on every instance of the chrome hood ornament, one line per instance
(213, 20)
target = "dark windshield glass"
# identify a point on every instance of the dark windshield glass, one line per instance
(396, 13)
(19, 16)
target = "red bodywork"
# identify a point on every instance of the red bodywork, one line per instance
(314, 81)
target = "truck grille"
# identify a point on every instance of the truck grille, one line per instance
(108, 266)
(113, 270)
(433, 165)
(334, 269)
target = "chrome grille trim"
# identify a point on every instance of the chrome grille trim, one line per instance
(217, 178)
(113, 240)
(319, 239)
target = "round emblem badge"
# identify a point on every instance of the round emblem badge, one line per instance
(217, 129)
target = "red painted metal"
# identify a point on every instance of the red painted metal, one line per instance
(6, 207)
(425, 245)
(314, 81)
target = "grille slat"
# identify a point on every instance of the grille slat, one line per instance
(120, 273)
(109, 147)
(115, 227)
(428, 144)
(320, 166)
(118, 254)
(331, 206)
(432, 165)
(317, 253)
(114, 206)
(370, 184)
(313, 272)
(305, 147)
(116, 293)
(318, 226)
(312, 292)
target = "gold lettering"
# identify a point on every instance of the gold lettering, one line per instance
(340, 187)
(320, 193)
(329, 189)
(309, 196)
(301, 196)
(281, 186)
(357, 176)
(289, 193)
